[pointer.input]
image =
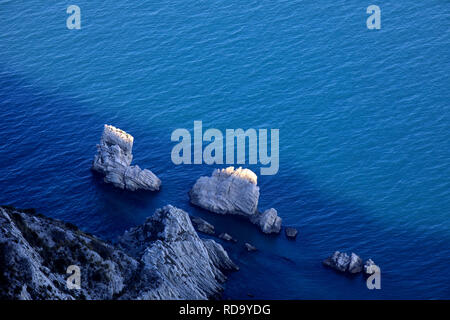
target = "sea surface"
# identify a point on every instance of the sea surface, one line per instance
(364, 120)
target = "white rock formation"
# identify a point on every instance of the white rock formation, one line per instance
(291, 232)
(227, 191)
(113, 160)
(249, 247)
(225, 236)
(162, 259)
(230, 191)
(338, 261)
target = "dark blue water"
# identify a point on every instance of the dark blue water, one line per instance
(364, 119)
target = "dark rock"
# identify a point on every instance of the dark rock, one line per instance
(249, 247)
(203, 226)
(268, 221)
(291, 233)
(227, 191)
(227, 237)
(235, 192)
(219, 256)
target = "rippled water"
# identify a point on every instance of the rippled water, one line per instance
(363, 118)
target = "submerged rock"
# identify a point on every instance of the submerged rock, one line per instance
(234, 191)
(370, 267)
(227, 191)
(291, 233)
(203, 226)
(113, 161)
(249, 247)
(225, 236)
(162, 259)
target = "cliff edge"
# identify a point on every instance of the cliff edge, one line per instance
(162, 259)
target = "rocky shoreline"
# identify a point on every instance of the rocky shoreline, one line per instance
(162, 259)
(227, 191)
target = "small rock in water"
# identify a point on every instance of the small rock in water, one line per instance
(268, 221)
(338, 261)
(291, 233)
(249, 247)
(344, 263)
(113, 161)
(225, 236)
(203, 226)
(234, 191)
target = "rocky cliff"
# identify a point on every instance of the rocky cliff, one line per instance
(113, 161)
(162, 259)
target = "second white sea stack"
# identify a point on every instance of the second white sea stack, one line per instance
(234, 191)
(113, 160)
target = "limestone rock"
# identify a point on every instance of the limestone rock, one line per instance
(188, 267)
(203, 226)
(227, 191)
(113, 161)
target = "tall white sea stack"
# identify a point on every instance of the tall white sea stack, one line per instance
(113, 160)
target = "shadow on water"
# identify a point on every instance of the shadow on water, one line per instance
(50, 143)
(140, 198)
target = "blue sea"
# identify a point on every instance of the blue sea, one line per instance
(364, 120)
